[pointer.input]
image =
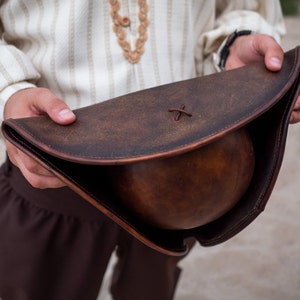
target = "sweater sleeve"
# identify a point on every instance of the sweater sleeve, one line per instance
(16, 72)
(260, 16)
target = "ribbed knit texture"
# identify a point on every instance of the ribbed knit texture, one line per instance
(70, 46)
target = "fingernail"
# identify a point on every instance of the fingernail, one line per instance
(276, 62)
(66, 114)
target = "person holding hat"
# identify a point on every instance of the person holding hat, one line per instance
(58, 56)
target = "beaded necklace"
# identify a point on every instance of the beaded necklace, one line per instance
(121, 22)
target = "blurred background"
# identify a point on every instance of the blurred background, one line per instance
(290, 7)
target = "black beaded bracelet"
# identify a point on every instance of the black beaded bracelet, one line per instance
(224, 53)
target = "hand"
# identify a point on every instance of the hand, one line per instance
(295, 117)
(258, 47)
(29, 103)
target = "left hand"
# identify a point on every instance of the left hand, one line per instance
(30, 103)
(258, 47)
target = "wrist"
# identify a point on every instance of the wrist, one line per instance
(225, 47)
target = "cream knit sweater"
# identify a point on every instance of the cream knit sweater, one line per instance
(70, 47)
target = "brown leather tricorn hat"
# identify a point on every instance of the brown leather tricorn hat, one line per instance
(190, 189)
(197, 158)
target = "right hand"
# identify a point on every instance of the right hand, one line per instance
(29, 103)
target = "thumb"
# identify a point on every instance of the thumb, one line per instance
(63, 115)
(272, 52)
(58, 110)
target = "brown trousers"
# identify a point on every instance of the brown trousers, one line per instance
(54, 245)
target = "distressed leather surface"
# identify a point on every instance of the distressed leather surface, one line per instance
(165, 122)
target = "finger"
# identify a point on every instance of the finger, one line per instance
(295, 117)
(34, 173)
(41, 182)
(32, 166)
(38, 176)
(267, 47)
(46, 102)
(19, 158)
